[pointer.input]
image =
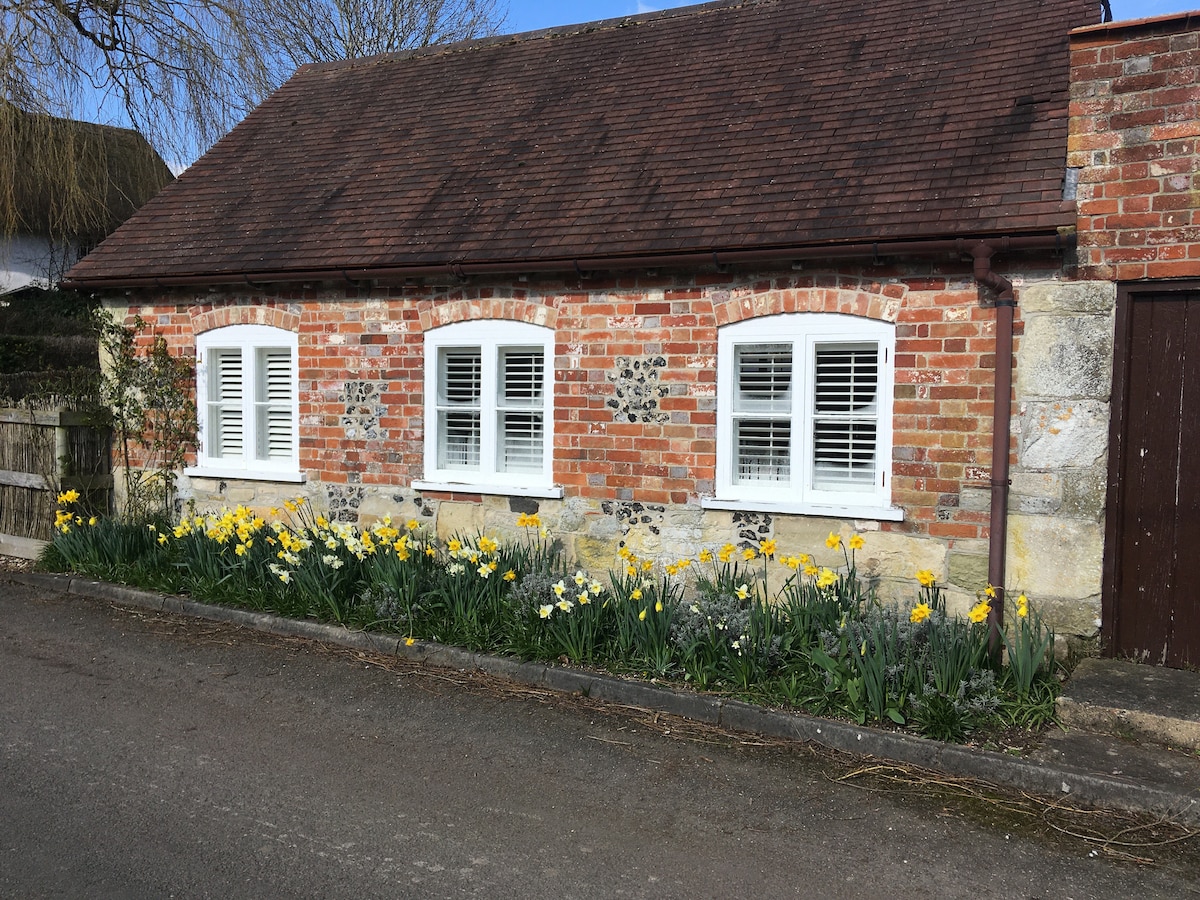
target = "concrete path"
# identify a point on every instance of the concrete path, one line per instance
(149, 755)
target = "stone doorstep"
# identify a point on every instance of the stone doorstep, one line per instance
(1133, 701)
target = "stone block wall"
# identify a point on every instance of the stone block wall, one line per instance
(635, 414)
(1135, 143)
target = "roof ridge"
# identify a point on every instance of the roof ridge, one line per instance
(555, 31)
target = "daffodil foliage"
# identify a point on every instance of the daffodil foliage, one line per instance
(748, 618)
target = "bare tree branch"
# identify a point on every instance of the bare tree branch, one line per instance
(183, 71)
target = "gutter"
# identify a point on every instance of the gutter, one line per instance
(461, 270)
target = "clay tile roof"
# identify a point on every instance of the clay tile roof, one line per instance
(727, 126)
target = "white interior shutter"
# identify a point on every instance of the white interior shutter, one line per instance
(460, 389)
(273, 406)
(845, 416)
(521, 410)
(225, 412)
(762, 413)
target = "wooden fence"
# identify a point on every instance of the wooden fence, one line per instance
(43, 452)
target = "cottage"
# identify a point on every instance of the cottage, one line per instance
(720, 273)
(52, 218)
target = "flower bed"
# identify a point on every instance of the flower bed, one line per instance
(821, 642)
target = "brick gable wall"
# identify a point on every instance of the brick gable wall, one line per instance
(1135, 138)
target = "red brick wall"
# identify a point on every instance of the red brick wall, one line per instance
(943, 396)
(1135, 136)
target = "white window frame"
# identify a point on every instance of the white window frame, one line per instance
(250, 341)
(798, 493)
(490, 338)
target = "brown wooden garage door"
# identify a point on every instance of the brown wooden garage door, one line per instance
(1152, 559)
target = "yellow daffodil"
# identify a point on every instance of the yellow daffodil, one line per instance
(810, 570)
(93, 520)
(925, 577)
(642, 616)
(647, 565)
(658, 606)
(749, 554)
(488, 545)
(979, 611)
(68, 496)
(412, 524)
(671, 569)
(636, 594)
(920, 613)
(408, 642)
(856, 542)
(706, 555)
(1022, 606)
(827, 578)
(767, 547)
(834, 541)
(726, 553)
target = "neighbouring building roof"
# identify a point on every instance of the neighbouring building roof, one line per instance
(87, 179)
(723, 127)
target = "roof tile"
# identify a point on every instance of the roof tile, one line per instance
(728, 126)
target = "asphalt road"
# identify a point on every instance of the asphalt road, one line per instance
(146, 755)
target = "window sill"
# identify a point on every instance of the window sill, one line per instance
(549, 492)
(786, 507)
(244, 474)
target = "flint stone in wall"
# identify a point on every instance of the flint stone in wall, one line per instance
(1063, 434)
(1068, 297)
(1055, 557)
(1065, 357)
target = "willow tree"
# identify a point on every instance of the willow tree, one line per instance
(181, 72)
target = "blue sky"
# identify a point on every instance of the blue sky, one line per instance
(528, 15)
